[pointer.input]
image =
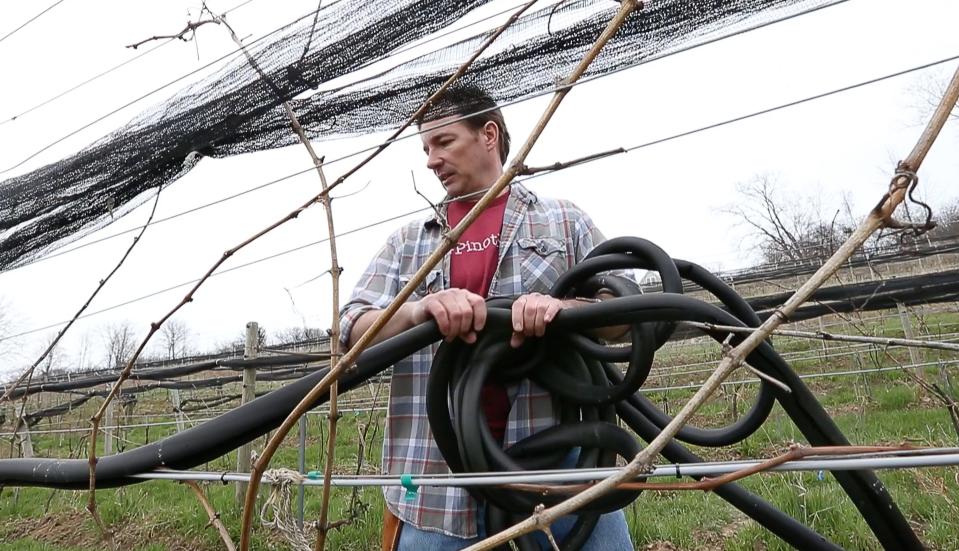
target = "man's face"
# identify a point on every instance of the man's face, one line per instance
(464, 160)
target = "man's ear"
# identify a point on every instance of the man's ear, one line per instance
(490, 132)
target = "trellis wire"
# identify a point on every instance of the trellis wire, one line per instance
(810, 376)
(111, 427)
(675, 371)
(931, 457)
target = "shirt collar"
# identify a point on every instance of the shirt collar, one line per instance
(517, 191)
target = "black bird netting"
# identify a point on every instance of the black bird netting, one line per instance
(235, 111)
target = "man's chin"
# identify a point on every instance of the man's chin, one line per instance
(453, 190)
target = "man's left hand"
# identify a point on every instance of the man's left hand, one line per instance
(531, 313)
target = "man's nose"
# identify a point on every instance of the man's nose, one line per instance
(433, 161)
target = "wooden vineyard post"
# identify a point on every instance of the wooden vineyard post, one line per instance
(249, 392)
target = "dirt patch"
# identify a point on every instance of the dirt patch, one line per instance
(661, 546)
(708, 541)
(76, 529)
(715, 541)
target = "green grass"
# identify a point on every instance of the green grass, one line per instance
(169, 512)
(871, 408)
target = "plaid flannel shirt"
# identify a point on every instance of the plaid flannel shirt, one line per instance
(541, 238)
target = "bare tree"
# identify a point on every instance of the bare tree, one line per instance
(926, 93)
(83, 352)
(120, 342)
(876, 243)
(796, 228)
(947, 221)
(54, 361)
(175, 339)
(261, 337)
(237, 345)
(6, 325)
(299, 334)
(787, 228)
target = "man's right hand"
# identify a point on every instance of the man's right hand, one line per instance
(458, 313)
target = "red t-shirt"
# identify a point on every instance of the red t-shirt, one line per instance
(473, 262)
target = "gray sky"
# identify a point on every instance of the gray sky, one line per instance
(671, 193)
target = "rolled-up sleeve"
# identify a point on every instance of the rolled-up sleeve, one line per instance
(375, 289)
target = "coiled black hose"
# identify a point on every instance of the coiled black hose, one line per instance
(578, 372)
(584, 384)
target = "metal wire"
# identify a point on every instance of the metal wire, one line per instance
(931, 457)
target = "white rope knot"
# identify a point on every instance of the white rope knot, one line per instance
(283, 477)
(280, 502)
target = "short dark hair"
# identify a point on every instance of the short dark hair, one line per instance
(465, 99)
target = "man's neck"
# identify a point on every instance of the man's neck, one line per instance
(475, 194)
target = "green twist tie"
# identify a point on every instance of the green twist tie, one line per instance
(314, 475)
(407, 481)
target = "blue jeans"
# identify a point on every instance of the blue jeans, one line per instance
(610, 534)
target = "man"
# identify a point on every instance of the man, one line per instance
(519, 246)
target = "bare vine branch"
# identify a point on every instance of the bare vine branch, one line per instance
(335, 271)
(190, 27)
(530, 170)
(100, 286)
(449, 240)
(91, 506)
(947, 401)
(212, 514)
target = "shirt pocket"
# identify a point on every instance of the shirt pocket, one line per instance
(542, 261)
(432, 283)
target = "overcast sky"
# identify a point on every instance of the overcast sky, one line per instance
(673, 193)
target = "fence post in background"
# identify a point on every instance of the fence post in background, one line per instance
(175, 401)
(249, 392)
(26, 441)
(915, 246)
(914, 357)
(825, 347)
(300, 490)
(937, 255)
(126, 419)
(110, 420)
(852, 270)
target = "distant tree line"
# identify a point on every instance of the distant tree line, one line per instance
(794, 228)
(112, 346)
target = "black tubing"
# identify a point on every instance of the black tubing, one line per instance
(566, 364)
(214, 438)
(588, 420)
(785, 527)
